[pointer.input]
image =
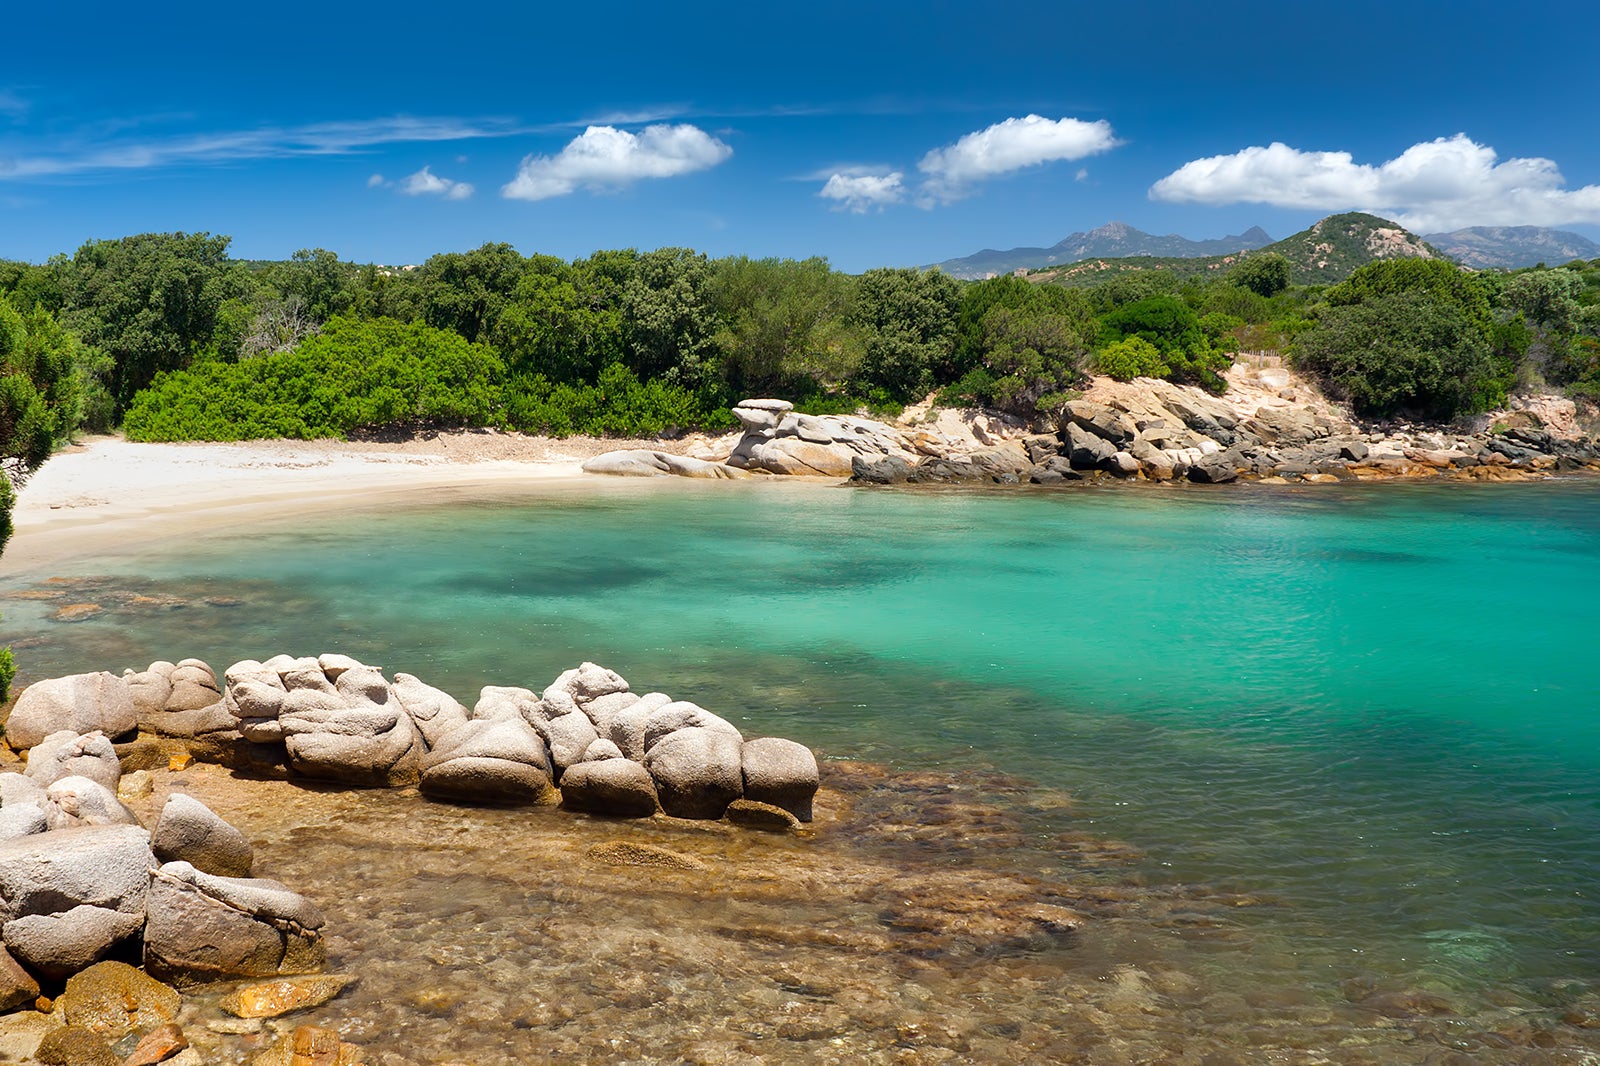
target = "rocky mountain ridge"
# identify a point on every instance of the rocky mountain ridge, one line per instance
(1113, 240)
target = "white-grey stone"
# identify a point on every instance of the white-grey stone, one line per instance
(191, 832)
(81, 703)
(69, 754)
(697, 771)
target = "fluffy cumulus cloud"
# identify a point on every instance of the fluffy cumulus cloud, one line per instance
(860, 192)
(1009, 146)
(604, 157)
(426, 183)
(1442, 184)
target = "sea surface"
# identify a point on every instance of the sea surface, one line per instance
(1370, 712)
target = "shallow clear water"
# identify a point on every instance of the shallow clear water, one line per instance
(1373, 708)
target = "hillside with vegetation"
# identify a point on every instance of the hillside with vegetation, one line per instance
(1114, 240)
(1323, 254)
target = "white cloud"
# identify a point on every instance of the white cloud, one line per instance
(426, 183)
(859, 192)
(377, 181)
(1008, 146)
(70, 155)
(1437, 185)
(603, 157)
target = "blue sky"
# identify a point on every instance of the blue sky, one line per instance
(873, 134)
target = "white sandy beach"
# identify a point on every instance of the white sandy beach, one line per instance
(108, 491)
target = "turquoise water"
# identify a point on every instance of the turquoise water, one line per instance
(1375, 708)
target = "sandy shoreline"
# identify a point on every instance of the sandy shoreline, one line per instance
(107, 491)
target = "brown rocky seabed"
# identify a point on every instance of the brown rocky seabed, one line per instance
(923, 917)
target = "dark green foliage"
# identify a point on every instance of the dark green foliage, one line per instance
(467, 291)
(782, 325)
(150, 302)
(1402, 352)
(1172, 328)
(1265, 274)
(353, 375)
(1439, 279)
(618, 404)
(668, 318)
(907, 320)
(559, 323)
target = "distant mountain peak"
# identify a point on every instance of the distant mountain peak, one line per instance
(1114, 240)
(1512, 247)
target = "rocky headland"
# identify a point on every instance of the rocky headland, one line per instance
(1270, 427)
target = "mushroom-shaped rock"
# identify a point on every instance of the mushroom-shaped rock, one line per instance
(697, 771)
(204, 927)
(189, 831)
(434, 711)
(81, 703)
(609, 786)
(488, 761)
(69, 754)
(782, 773)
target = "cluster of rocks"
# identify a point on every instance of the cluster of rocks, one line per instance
(81, 878)
(1171, 433)
(586, 741)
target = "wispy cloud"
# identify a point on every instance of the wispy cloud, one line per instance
(604, 157)
(89, 155)
(426, 183)
(860, 191)
(12, 105)
(1435, 185)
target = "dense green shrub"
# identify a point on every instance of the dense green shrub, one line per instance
(619, 404)
(1130, 358)
(353, 375)
(1402, 352)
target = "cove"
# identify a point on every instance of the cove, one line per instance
(1371, 708)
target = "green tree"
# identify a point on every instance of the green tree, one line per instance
(559, 323)
(150, 302)
(781, 325)
(908, 322)
(1408, 351)
(1265, 273)
(668, 318)
(468, 291)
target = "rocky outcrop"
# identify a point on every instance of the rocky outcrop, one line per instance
(644, 463)
(79, 703)
(79, 879)
(779, 440)
(338, 719)
(203, 927)
(188, 831)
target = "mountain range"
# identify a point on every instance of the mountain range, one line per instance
(1114, 240)
(1478, 247)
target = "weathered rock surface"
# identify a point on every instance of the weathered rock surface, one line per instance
(698, 771)
(489, 760)
(69, 754)
(114, 999)
(78, 703)
(610, 786)
(17, 985)
(644, 463)
(779, 440)
(782, 773)
(202, 927)
(188, 831)
(274, 999)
